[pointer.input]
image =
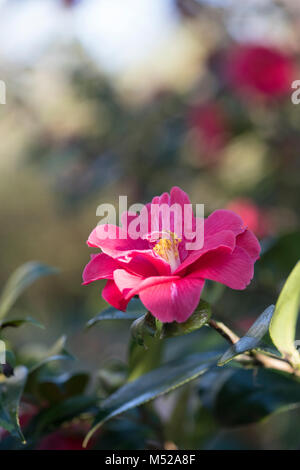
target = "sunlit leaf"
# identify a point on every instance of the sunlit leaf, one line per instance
(284, 321)
(252, 338)
(22, 278)
(151, 385)
(11, 390)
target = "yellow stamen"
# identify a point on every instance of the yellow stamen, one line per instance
(167, 249)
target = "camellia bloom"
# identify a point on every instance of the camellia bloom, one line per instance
(164, 271)
(259, 70)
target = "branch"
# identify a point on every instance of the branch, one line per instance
(258, 358)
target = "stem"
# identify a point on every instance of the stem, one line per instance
(224, 331)
(259, 359)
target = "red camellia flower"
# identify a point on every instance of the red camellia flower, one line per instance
(161, 267)
(256, 69)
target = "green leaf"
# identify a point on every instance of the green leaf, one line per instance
(22, 278)
(284, 321)
(16, 322)
(135, 310)
(199, 318)
(247, 396)
(151, 385)
(145, 348)
(59, 387)
(252, 338)
(142, 328)
(53, 416)
(11, 390)
(143, 360)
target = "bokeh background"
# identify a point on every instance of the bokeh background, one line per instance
(131, 97)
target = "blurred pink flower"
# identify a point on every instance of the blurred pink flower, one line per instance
(259, 70)
(210, 126)
(256, 219)
(167, 276)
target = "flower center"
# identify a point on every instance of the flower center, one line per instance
(167, 249)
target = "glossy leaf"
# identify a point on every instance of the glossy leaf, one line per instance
(252, 338)
(151, 385)
(248, 396)
(284, 321)
(11, 390)
(199, 318)
(134, 310)
(22, 278)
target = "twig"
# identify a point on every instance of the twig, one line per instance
(259, 359)
(224, 331)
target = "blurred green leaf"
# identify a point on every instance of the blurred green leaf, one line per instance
(22, 278)
(284, 321)
(151, 385)
(53, 416)
(248, 396)
(55, 353)
(199, 318)
(143, 360)
(16, 322)
(252, 338)
(145, 347)
(135, 310)
(59, 387)
(11, 390)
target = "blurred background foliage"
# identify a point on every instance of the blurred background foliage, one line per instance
(128, 97)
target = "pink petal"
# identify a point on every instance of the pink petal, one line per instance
(127, 282)
(224, 239)
(142, 283)
(223, 220)
(173, 301)
(177, 196)
(113, 296)
(249, 242)
(101, 266)
(114, 241)
(234, 269)
(146, 264)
